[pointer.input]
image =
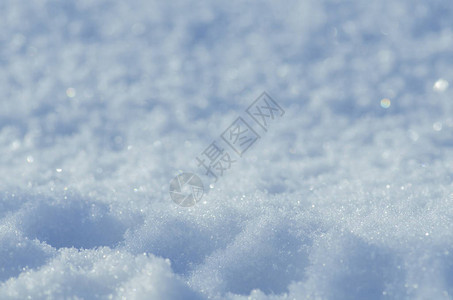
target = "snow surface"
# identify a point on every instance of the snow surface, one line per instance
(102, 103)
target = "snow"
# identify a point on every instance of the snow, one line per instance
(347, 196)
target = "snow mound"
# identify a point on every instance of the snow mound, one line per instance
(347, 196)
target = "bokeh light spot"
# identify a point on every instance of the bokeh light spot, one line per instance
(70, 92)
(440, 85)
(437, 126)
(385, 103)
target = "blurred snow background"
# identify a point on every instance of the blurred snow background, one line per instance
(103, 102)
